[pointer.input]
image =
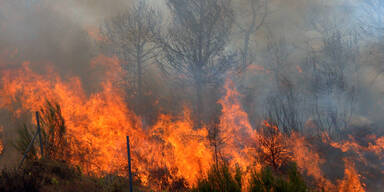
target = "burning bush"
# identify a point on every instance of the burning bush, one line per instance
(53, 131)
(273, 146)
(54, 142)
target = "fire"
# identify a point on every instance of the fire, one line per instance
(94, 122)
(236, 130)
(182, 148)
(98, 123)
(94, 33)
(172, 148)
(351, 181)
(299, 69)
(1, 143)
(256, 67)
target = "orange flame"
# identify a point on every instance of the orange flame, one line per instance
(98, 122)
(351, 181)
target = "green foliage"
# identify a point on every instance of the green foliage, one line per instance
(268, 181)
(53, 131)
(24, 139)
(220, 179)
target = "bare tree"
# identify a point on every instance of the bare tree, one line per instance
(333, 82)
(283, 104)
(257, 14)
(129, 35)
(371, 20)
(194, 47)
(273, 146)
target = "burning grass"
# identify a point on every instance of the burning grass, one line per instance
(88, 131)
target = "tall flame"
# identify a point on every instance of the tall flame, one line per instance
(97, 124)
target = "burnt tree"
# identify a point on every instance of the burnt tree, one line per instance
(129, 35)
(194, 45)
(257, 12)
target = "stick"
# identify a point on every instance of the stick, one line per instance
(129, 165)
(39, 130)
(28, 148)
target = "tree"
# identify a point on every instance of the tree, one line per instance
(258, 13)
(283, 104)
(371, 20)
(129, 35)
(273, 146)
(333, 81)
(194, 46)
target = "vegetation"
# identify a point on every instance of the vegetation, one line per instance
(220, 179)
(52, 131)
(25, 137)
(49, 175)
(267, 181)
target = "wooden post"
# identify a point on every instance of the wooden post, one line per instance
(39, 131)
(129, 165)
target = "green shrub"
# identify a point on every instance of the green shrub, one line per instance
(53, 131)
(25, 136)
(220, 179)
(268, 181)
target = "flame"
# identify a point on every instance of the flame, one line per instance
(256, 67)
(236, 130)
(94, 33)
(299, 69)
(1, 142)
(351, 181)
(308, 160)
(98, 122)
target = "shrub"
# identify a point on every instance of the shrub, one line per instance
(25, 136)
(269, 181)
(220, 179)
(53, 131)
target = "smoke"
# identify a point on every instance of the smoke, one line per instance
(289, 51)
(63, 35)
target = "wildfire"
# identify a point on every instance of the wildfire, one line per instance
(236, 131)
(351, 181)
(1, 143)
(98, 123)
(94, 33)
(171, 149)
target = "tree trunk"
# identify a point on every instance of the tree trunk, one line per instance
(199, 103)
(139, 75)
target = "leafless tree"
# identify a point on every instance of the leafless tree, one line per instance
(371, 19)
(333, 82)
(332, 70)
(194, 46)
(273, 146)
(283, 106)
(257, 14)
(129, 35)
